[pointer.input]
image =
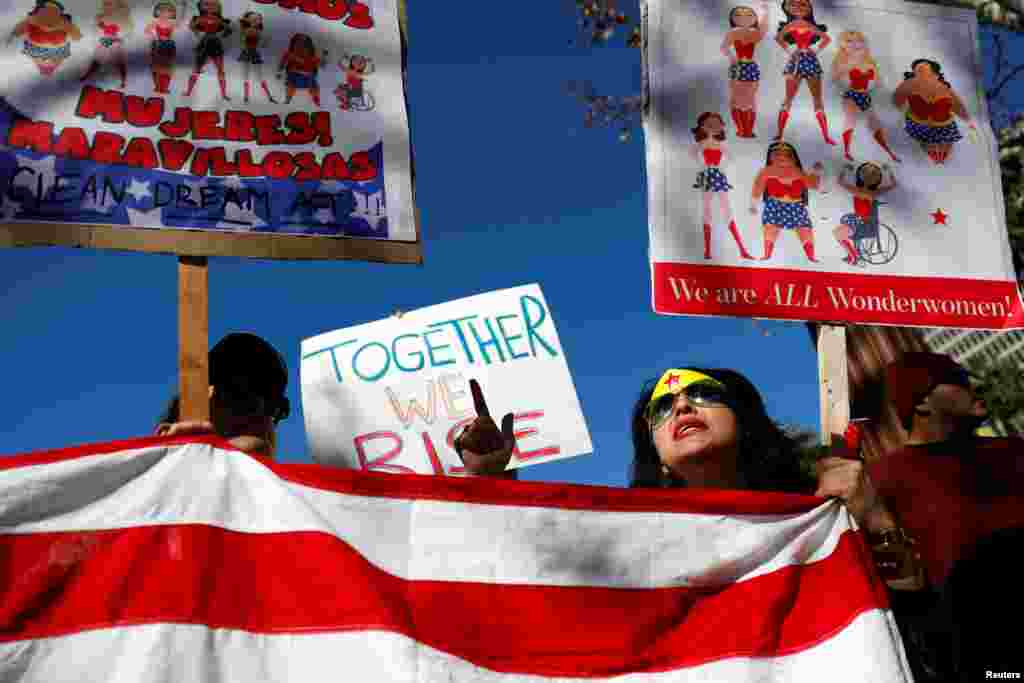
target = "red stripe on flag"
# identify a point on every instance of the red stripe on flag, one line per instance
(307, 582)
(482, 490)
(785, 294)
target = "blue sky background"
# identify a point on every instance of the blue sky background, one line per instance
(512, 190)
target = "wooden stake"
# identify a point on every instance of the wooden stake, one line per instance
(193, 338)
(833, 381)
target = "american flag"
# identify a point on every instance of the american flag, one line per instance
(185, 560)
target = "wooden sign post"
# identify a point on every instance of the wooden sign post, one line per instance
(193, 338)
(834, 381)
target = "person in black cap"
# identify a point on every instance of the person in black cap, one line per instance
(248, 378)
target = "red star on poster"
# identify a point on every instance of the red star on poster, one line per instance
(939, 217)
(672, 379)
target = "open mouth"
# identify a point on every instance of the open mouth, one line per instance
(688, 428)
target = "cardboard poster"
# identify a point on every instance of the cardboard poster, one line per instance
(392, 395)
(824, 161)
(262, 118)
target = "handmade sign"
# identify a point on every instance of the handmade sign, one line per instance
(185, 561)
(392, 395)
(273, 118)
(824, 161)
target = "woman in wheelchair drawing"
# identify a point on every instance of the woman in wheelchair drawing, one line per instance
(352, 92)
(869, 182)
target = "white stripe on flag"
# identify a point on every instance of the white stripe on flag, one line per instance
(189, 562)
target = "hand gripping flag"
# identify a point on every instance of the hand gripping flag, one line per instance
(184, 560)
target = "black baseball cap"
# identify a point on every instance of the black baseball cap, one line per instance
(246, 365)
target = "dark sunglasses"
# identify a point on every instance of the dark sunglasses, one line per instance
(705, 394)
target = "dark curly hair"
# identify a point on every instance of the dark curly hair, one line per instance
(699, 134)
(769, 459)
(935, 67)
(810, 19)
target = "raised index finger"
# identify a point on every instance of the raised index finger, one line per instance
(478, 399)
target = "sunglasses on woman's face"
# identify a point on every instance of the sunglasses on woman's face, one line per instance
(703, 394)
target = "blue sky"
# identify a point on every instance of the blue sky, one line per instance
(512, 190)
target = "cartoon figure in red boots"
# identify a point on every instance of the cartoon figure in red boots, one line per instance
(931, 109)
(855, 69)
(802, 38)
(351, 93)
(211, 28)
(783, 186)
(167, 18)
(868, 183)
(48, 31)
(301, 64)
(114, 21)
(710, 150)
(251, 31)
(747, 27)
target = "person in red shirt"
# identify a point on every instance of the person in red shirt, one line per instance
(958, 499)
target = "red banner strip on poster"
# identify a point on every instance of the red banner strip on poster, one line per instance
(778, 293)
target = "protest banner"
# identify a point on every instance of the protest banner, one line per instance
(392, 395)
(271, 128)
(824, 161)
(126, 563)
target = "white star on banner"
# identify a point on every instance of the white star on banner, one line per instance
(324, 215)
(139, 190)
(144, 219)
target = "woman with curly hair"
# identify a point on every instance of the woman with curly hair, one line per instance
(931, 108)
(802, 38)
(708, 428)
(691, 428)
